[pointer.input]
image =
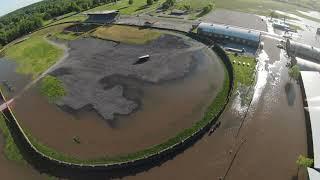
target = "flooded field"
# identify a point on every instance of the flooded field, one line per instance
(268, 144)
(167, 107)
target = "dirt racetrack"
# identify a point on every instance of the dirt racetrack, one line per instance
(151, 102)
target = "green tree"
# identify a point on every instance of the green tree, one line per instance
(294, 72)
(149, 2)
(303, 162)
(187, 7)
(130, 2)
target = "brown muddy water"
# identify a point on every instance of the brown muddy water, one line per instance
(167, 108)
(11, 169)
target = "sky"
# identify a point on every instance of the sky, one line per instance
(7, 6)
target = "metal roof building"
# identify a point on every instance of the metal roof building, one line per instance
(302, 50)
(102, 16)
(311, 84)
(235, 34)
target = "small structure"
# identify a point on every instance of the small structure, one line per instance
(280, 25)
(105, 17)
(318, 31)
(229, 33)
(295, 49)
(177, 12)
(235, 50)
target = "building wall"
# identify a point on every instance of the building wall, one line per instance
(228, 38)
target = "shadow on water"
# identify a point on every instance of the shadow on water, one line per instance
(291, 93)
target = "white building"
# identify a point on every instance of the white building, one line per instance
(230, 33)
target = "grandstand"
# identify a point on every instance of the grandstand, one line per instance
(104, 17)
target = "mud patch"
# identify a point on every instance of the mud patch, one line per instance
(100, 75)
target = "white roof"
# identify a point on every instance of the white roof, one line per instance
(313, 174)
(102, 12)
(230, 31)
(311, 83)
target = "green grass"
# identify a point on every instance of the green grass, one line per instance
(138, 7)
(126, 34)
(34, 55)
(52, 88)
(243, 74)
(68, 36)
(11, 151)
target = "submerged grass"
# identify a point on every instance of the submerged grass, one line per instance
(52, 88)
(138, 7)
(264, 7)
(34, 55)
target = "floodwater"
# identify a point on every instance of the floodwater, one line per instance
(167, 108)
(266, 147)
(11, 169)
(15, 170)
(7, 73)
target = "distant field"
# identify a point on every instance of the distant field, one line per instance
(262, 7)
(52, 88)
(194, 5)
(126, 34)
(138, 6)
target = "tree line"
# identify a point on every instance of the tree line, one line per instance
(30, 18)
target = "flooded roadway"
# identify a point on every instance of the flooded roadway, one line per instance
(274, 134)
